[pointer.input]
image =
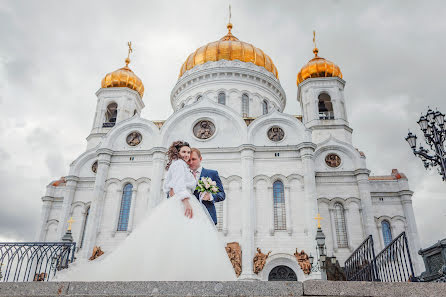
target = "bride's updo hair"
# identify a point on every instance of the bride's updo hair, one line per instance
(174, 151)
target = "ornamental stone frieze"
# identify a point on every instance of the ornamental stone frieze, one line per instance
(260, 260)
(304, 261)
(234, 252)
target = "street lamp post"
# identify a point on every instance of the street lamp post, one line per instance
(432, 125)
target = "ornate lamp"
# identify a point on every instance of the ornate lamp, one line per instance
(432, 125)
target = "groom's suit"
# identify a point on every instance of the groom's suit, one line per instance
(220, 196)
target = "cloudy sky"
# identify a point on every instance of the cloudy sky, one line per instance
(53, 55)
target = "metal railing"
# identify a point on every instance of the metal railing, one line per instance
(392, 264)
(34, 261)
(326, 115)
(360, 266)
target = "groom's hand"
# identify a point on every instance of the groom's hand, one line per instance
(206, 196)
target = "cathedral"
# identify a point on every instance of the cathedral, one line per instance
(279, 171)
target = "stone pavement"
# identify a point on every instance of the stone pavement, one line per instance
(238, 288)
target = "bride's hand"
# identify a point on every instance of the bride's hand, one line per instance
(188, 212)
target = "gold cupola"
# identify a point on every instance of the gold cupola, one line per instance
(318, 67)
(124, 77)
(229, 48)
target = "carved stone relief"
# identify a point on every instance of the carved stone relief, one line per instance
(333, 160)
(304, 261)
(235, 255)
(94, 167)
(260, 260)
(134, 138)
(204, 129)
(275, 133)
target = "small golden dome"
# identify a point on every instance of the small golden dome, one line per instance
(318, 67)
(229, 48)
(123, 77)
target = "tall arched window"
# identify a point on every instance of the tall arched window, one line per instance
(341, 230)
(84, 227)
(219, 210)
(245, 105)
(199, 97)
(279, 206)
(110, 115)
(325, 107)
(387, 233)
(222, 99)
(265, 107)
(126, 202)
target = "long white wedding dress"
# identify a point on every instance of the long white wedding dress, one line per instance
(165, 246)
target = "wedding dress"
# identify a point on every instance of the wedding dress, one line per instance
(166, 245)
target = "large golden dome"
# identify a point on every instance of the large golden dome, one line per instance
(318, 67)
(123, 77)
(229, 48)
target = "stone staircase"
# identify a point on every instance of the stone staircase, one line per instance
(237, 288)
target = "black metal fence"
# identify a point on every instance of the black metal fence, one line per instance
(392, 264)
(360, 266)
(34, 261)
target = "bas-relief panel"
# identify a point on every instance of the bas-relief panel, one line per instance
(142, 199)
(263, 207)
(234, 204)
(111, 208)
(346, 163)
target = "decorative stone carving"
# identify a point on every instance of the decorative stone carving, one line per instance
(94, 167)
(204, 129)
(40, 277)
(260, 260)
(235, 255)
(333, 160)
(304, 261)
(97, 252)
(134, 138)
(275, 133)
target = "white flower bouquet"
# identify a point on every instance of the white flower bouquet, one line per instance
(206, 184)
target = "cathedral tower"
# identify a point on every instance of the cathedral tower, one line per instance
(119, 98)
(321, 97)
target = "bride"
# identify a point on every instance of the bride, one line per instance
(177, 241)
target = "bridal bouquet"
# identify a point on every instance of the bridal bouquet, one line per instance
(206, 184)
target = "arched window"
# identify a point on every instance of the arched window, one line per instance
(182, 105)
(265, 106)
(325, 107)
(219, 210)
(387, 233)
(199, 97)
(245, 105)
(279, 206)
(222, 99)
(134, 112)
(341, 230)
(126, 202)
(84, 227)
(110, 115)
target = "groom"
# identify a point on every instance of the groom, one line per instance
(208, 199)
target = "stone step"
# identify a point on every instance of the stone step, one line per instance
(237, 288)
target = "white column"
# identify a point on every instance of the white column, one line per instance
(66, 205)
(310, 196)
(104, 157)
(412, 232)
(158, 163)
(289, 227)
(271, 199)
(248, 210)
(132, 210)
(225, 210)
(117, 207)
(333, 229)
(46, 208)
(362, 177)
(347, 228)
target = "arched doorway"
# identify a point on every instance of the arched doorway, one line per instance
(282, 273)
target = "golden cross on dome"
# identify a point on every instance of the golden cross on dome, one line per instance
(127, 61)
(229, 13)
(315, 50)
(70, 222)
(318, 218)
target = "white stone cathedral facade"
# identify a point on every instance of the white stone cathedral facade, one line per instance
(278, 170)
